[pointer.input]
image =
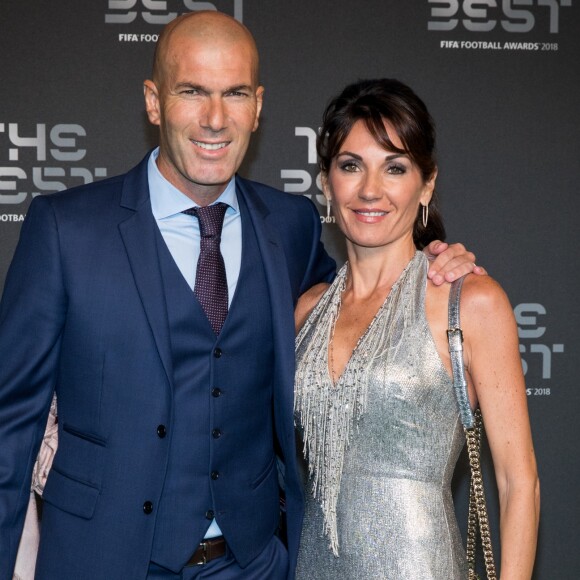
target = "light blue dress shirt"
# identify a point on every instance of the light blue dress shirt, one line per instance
(181, 231)
(181, 234)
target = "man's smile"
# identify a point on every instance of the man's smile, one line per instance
(210, 146)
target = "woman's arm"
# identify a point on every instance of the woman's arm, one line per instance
(495, 372)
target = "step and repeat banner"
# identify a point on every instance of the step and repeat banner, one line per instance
(501, 78)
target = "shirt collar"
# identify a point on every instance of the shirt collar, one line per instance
(167, 200)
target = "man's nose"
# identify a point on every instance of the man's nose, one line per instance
(215, 114)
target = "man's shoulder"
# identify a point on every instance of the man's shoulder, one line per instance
(80, 203)
(91, 193)
(90, 189)
(274, 198)
(260, 189)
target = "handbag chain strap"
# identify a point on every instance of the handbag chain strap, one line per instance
(473, 428)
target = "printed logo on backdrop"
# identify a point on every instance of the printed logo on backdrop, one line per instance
(40, 159)
(539, 355)
(145, 17)
(517, 25)
(307, 181)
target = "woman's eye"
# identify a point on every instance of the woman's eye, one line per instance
(396, 169)
(349, 166)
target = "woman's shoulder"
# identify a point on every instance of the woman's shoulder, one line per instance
(307, 302)
(485, 308)
(482, 298)
(483, 294)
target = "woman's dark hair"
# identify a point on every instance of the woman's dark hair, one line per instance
(376, 101)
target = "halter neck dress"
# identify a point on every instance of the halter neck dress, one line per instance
(380, 445)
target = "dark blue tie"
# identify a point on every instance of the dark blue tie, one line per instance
(211, 286)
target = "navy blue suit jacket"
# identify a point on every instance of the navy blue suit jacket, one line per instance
(82, 314)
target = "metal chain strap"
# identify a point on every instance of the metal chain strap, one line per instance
(471, 532)
(477, 507)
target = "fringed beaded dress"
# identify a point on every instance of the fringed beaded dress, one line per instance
(381, 445)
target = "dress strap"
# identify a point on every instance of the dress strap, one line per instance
(455, 339)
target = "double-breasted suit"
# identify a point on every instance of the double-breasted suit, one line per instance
(162, 425)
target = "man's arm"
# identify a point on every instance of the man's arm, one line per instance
(321, 267)
(449, 262)
(32, 311)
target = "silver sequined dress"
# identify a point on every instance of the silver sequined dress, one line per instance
(381, 445)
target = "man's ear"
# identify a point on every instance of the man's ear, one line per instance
(152, 106)
(259, 103)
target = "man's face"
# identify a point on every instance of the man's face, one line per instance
(207, 103)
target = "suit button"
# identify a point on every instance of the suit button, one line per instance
(215, 392)
(161, 431)
(147, 507)
(209, 515)
(216, 433)
(217, 353)
(215, 475)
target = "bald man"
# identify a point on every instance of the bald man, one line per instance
(174, 403)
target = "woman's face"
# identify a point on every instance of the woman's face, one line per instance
(375, 193)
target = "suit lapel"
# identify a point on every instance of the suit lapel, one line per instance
(276, 269)
(272, 254)
(139, 233)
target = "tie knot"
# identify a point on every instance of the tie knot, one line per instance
(211, 218)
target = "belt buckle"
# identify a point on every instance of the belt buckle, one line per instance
(203, 546)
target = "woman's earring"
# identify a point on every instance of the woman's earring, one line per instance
(327, 209)
(425, 215)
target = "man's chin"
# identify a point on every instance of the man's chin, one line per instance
(212, 182)
(212, 178)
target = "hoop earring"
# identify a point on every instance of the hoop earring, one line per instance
(425, 215)
(327, 209)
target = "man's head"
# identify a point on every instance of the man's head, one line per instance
(206, 99)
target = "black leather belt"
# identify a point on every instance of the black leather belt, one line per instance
(207, 551)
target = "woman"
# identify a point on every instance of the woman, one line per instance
(374, 399)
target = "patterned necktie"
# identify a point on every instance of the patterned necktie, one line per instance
(211, 287)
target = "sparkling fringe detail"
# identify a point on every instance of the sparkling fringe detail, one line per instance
(326, 412)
